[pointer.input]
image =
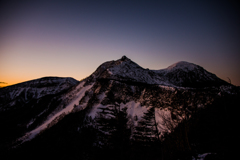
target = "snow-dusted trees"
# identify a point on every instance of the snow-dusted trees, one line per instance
(114, 132)
(147, 129)
(146, 136)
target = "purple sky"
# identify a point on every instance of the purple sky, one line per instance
(72, 38)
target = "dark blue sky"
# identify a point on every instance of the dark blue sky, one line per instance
(72, 38)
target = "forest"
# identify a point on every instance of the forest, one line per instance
(112, 135)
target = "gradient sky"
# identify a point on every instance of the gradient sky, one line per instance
(72, 38)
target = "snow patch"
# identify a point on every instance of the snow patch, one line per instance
(96, 109)
(201, 156)
(134, 109)
(167, 87)
(66, 110)
(182, 65)
(101, 96)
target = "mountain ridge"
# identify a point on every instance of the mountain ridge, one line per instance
(37, 88)
(180, 74)
(115, 87)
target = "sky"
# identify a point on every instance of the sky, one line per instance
(72, 38)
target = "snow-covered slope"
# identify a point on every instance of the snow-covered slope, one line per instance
(26, 105)
(34, 89)
(171, 91)
(183, 65)
(57, 115)
(120, 100)
(181, 74)
(128, 71)
(187, 74)
(138, 99)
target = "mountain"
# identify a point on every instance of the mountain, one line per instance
(121, 105)
(187, 74)
(34, 89)
(25, 105)
(181, 74)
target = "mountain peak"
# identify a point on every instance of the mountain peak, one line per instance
(125, 58)
(180, 74)
(183, 65)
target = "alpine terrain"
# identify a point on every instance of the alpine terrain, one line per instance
(121, 111)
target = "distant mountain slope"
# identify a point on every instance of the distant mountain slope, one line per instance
(25, 105)
(34, 89)
(187, 74)
(181, 74)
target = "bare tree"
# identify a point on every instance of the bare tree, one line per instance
(229, 80)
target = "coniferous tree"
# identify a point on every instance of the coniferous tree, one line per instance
(146, 137)
(104, 123)
(114, 132)
(147, 129)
